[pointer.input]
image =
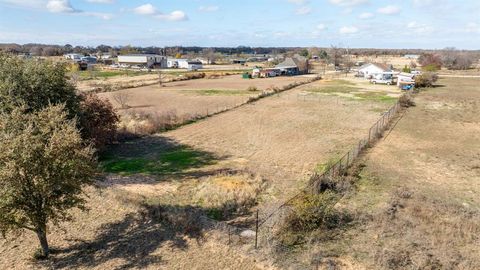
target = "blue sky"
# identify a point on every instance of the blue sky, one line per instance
(431, 24)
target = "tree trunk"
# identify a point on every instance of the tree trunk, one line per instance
(42, 237)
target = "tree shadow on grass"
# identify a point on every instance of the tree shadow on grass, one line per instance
(132, 242)
(157, 156)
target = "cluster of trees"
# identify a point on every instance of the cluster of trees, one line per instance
(49, 135)
(449, 57)
(457, 60)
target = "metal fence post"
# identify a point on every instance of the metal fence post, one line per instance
(256, 232)
(348, 158)
(229, 240)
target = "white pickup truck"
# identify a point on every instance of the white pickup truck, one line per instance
(382, 81)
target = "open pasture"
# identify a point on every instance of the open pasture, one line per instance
(195, 97)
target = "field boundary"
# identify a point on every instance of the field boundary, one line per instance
(338, 168)
(201, 116)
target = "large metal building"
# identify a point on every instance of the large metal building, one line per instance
(144, 60)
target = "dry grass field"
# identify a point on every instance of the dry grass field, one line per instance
(252, 157)
(281, 140)
(197, 96)
(186, 100)
(416, 204)
(116, 234)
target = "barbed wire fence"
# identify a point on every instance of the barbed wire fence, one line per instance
(261, 235)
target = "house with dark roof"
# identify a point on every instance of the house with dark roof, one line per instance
(293, 66)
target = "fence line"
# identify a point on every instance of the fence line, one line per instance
(189, 118)
(339, 168)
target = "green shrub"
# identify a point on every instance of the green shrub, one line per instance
(430, 68)
(310, 212)
(98, 120)
(406, 101)
(426, 79)
(35, 85)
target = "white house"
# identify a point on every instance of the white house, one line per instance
(146, 60)
(371, 70)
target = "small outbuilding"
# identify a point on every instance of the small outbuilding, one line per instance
(188, 64)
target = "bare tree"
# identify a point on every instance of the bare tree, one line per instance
(209, 53)
(336, 55)
(122, 98)
(454, 59)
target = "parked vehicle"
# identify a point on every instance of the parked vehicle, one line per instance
(381, 81)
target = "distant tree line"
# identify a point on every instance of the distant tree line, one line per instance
(57, 50)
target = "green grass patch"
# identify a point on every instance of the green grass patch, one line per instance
(172, 161)
(321, 168)
(336, 86)
(331, 89)
(103, 74)
(342, 82)
(376, 96)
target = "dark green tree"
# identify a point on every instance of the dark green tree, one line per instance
(35, 85)
(44, 166)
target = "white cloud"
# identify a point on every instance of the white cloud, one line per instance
(412, 24)
(420, 28)
(422, 3)
(176, 16)
(25, 3)
(298, 2)
(348, 3)
(147, 9)
(348, 30)
(366, 15)
(472, 28)
(303, 11)
(101, 1)
(60, 6)
(389, 10)
(208, 8)
(104, 16)
(321, 27)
